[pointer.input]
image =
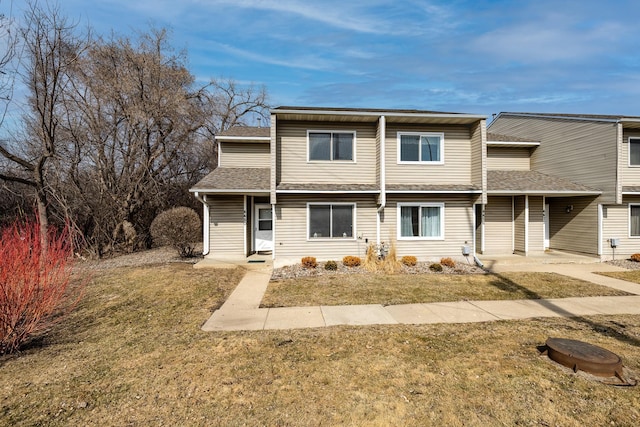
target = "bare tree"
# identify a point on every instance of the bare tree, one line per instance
(51, 49)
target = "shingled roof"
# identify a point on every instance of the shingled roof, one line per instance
(235, 179)
(497, 137)
(246, 131)
(436, 188)
(532, 182)
(334, 188)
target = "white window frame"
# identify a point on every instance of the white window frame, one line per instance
(333, 239)
(629, 221)
(629, 151)
(420, 205)
(421, 162)
(353, 146)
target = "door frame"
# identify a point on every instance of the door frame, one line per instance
(545, 223)
(256, 219)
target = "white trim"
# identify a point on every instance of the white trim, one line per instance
(354, 233)
(219, 153)
(328, 191)
(237, 191)
(420, 162)
(389, 113)
(526, 224)
(513, 224)
(512, 143)
(629, 221)
(546, 224)
(273, 225)
(255, 225)
(631, 193)
(629, 151)
(378, 213)
(333, 161)
(434, 191)
(600, 223)
(420, 205)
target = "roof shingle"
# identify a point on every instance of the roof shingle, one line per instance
(246, 131)
(240, 179)
(532, 182)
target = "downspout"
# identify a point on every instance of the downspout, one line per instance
(383, 191)
(205, 222)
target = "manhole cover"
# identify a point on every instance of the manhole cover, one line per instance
(589, 358)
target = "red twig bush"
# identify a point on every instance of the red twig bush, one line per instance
(35, 282)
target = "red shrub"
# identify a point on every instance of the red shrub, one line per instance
(35, 282)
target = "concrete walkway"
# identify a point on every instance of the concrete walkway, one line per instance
(241, 310)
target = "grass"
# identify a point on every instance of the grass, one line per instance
(133, 354)
(629, 276)
(408, 289)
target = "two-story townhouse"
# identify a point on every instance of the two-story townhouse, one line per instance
(327, 182)
(600, 153)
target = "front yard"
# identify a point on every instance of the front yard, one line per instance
(133, 354)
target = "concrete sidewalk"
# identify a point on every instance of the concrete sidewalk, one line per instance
(241, 310)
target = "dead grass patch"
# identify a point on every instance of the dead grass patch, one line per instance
(423, 288)
(133, 354)
(629, 276)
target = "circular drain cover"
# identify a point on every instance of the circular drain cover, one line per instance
(579, 355)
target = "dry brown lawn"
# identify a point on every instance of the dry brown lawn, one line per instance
(423, 288)
(629, 276)
(133, 354)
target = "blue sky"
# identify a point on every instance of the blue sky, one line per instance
(464, 56)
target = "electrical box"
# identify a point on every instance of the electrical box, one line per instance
(615, 242)
(466, 250)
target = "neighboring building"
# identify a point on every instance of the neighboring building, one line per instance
(599, 155)
(327, 182)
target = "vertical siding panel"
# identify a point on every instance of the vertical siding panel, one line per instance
(536, 224)
(226, 225)
(498, 230)
(575, 231)
(519, 224)
(577, 150)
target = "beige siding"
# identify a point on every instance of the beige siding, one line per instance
(292, 242)
(244, 155)
(498, 228)
(458, 227)
(293, 166)
(226, 225)
(457, 157)
(479, 157)
(577, 230)
(508, 158)
(580, 151)
(615, 224)
(536, 224)
(630, 174)
(519, 222)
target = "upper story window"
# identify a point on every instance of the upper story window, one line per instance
(416, 147)
(634, 151)
(331, 146)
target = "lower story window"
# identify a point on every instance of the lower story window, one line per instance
(421, 221)
(634, 220)
(333, 220)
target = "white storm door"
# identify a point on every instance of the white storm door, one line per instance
(546, 226)
(263, 227)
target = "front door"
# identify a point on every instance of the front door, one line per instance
(263, 228)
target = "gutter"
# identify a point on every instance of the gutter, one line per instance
(205, 221)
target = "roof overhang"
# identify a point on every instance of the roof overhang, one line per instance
(434, 192)
(356, 115)
(247, 192)
(547, 193)
(512, 144)
(224, 138)
(328, 191)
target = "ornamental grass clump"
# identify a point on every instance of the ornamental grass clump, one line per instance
(36, 289)
(309, 262)
(351, 261)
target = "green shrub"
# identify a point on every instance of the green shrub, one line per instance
(331, 265)
(635, 257)
(351, 261)
(409, 260)
(177, 227)
(309, 262)
(435, 267)
(448, 262)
